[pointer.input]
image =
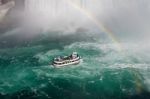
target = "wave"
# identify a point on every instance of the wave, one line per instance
(102, 63)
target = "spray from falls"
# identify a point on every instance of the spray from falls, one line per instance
(104, 70)
(57, 14)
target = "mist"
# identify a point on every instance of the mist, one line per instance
(128, 20)
(112, 37)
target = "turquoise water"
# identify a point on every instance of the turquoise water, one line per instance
(104, 73)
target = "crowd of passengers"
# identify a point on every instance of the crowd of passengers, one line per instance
(73, 56)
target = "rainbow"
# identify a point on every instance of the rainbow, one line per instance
(98, 23)
(101, 26)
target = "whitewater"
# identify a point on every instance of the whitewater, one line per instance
(25, 71)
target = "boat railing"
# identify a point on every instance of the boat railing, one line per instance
(68, 60)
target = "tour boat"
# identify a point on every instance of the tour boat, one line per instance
(61, 61)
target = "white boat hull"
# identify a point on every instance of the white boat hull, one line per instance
(62, 65)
